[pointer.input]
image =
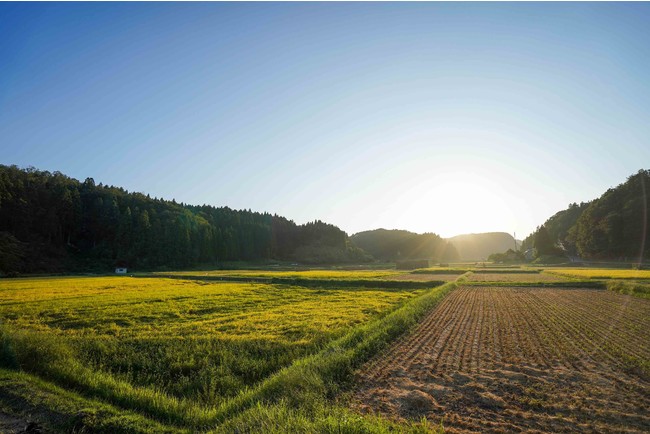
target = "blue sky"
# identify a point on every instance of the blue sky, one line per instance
(440, 117)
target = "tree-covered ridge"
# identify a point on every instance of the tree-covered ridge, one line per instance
(49, 222)
(615, 226)
(557, 228)
(396, 245)
(478, 247)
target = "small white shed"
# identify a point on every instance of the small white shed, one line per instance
(120, 270)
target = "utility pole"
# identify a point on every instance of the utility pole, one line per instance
(514, 235)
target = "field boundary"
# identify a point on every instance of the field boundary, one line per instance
(477, 270)
(308, 283)
(567, 284)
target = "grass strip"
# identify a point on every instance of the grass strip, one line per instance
(281, 418)
(33, 400)
(440, 271)
(636, 289)
(476, 270)
(50, 357)
(567, 284)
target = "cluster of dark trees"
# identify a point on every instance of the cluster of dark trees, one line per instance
(510, 256)
(51, 222)
(399, 245)
(616, 226)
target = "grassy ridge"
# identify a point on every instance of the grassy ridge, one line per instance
(568, 284)
(32, 399)
(482, 270)
(637, 289)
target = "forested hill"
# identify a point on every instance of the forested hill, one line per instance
(395, 245)
(616, 226)
(477, 247)
(51, 222)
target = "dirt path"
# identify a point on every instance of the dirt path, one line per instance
(520, 359)
(12, 425)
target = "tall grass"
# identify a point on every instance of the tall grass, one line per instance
(31, 399)
(637, 289)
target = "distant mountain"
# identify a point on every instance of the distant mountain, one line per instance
(395, 245)
(477, 247)
(616, 226)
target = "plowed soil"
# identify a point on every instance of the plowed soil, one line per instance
(519, 359)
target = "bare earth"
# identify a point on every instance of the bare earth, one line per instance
(519, 359)
(12, 425)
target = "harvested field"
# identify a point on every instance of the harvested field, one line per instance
(516, 277)
(410, 277)
(519, 359)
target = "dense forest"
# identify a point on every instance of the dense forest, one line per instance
(398, 245)
(51, 222)
(616, 226)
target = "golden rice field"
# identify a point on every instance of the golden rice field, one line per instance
(204, 341)
(601, 273)
(124, 307)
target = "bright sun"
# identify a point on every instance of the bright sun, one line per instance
(460, 203)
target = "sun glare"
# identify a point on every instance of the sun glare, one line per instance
(478, 205)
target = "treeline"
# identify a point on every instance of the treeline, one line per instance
(399, 245)
(615, 226)
(51, 222)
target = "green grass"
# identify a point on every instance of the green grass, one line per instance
(192, 354)
(30, 398)
(637, 289)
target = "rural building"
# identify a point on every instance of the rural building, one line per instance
(120, 270)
